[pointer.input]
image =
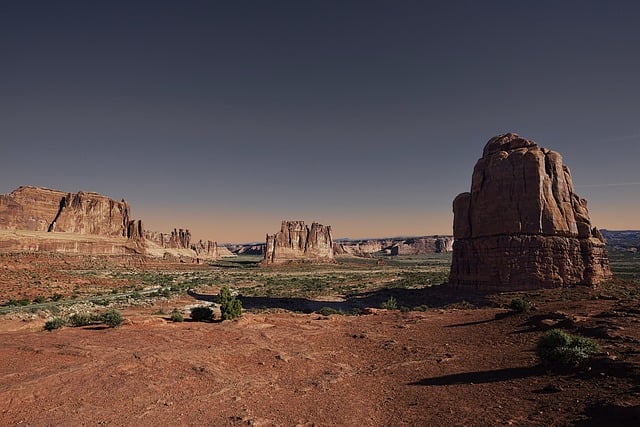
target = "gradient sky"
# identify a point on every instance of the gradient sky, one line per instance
(228, 117)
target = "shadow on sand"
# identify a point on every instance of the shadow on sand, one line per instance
(483, 377)
(441, 296)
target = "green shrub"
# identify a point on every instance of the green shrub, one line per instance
(176, 316)
(404, 309)
(422, 307)
(81, 319)
(201, 314)
(56, 297)
(112, 318)
(390, 304)
(520, 305)
(39, 300)
(17, 302)
(230, 306)
(55, 323)
(559, 349)
(328, 311)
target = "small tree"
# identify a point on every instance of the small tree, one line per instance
(230, 306)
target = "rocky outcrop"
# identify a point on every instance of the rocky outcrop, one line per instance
(246, 249)
(177, 239)
(206, 249)
(395, 246)
(522, 226)
(422, 245)
(297, 242)
(101, 225)
(41, 209)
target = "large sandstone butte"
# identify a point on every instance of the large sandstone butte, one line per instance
(297, 242)
(522, 226)
(41, 209)
(40, 219)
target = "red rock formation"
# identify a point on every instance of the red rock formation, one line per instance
(395, 246)
(422, 245)
(41, 209)
(296, 242)
(56, 213)
(522, 226)
(177, 239)
(206, 250)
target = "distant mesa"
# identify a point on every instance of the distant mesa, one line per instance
(40, 219)
(394, 246)
(522, 226)
(296, 242)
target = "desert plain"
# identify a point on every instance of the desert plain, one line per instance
(313, 345)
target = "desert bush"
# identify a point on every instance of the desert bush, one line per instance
(164, 292)
(176, 316)
(112, 318)
(422, 307)
(390, 304)
(81, 319)
(328, 311)
(56, 297)
(201, 314)
(55, 323)
(17, 302)
(520, 305)
(230, 306)
(39, 300)
(557, 348)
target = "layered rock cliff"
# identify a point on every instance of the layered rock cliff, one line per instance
(522, 226)
(422, 245)
(297, 242)
(55, 212)
(41, 209)
(395, 246)
(176, 239)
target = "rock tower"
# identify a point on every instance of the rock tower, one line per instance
(522, 226)
(297, 242)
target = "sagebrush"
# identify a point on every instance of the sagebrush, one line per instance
(557, 348)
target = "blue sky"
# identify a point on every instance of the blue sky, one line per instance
(227, 117)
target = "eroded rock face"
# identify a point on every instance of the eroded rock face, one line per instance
(297, 242)
(53, 214)
(522, 226)
(176, 239)
(422, 245)
(395, 246)
(41, 209)
(206, 249)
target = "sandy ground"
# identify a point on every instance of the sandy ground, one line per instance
(440, 367)
(444, 367)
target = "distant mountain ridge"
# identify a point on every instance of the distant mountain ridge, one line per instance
(623, 240)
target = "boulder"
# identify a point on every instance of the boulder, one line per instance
(522, 226)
